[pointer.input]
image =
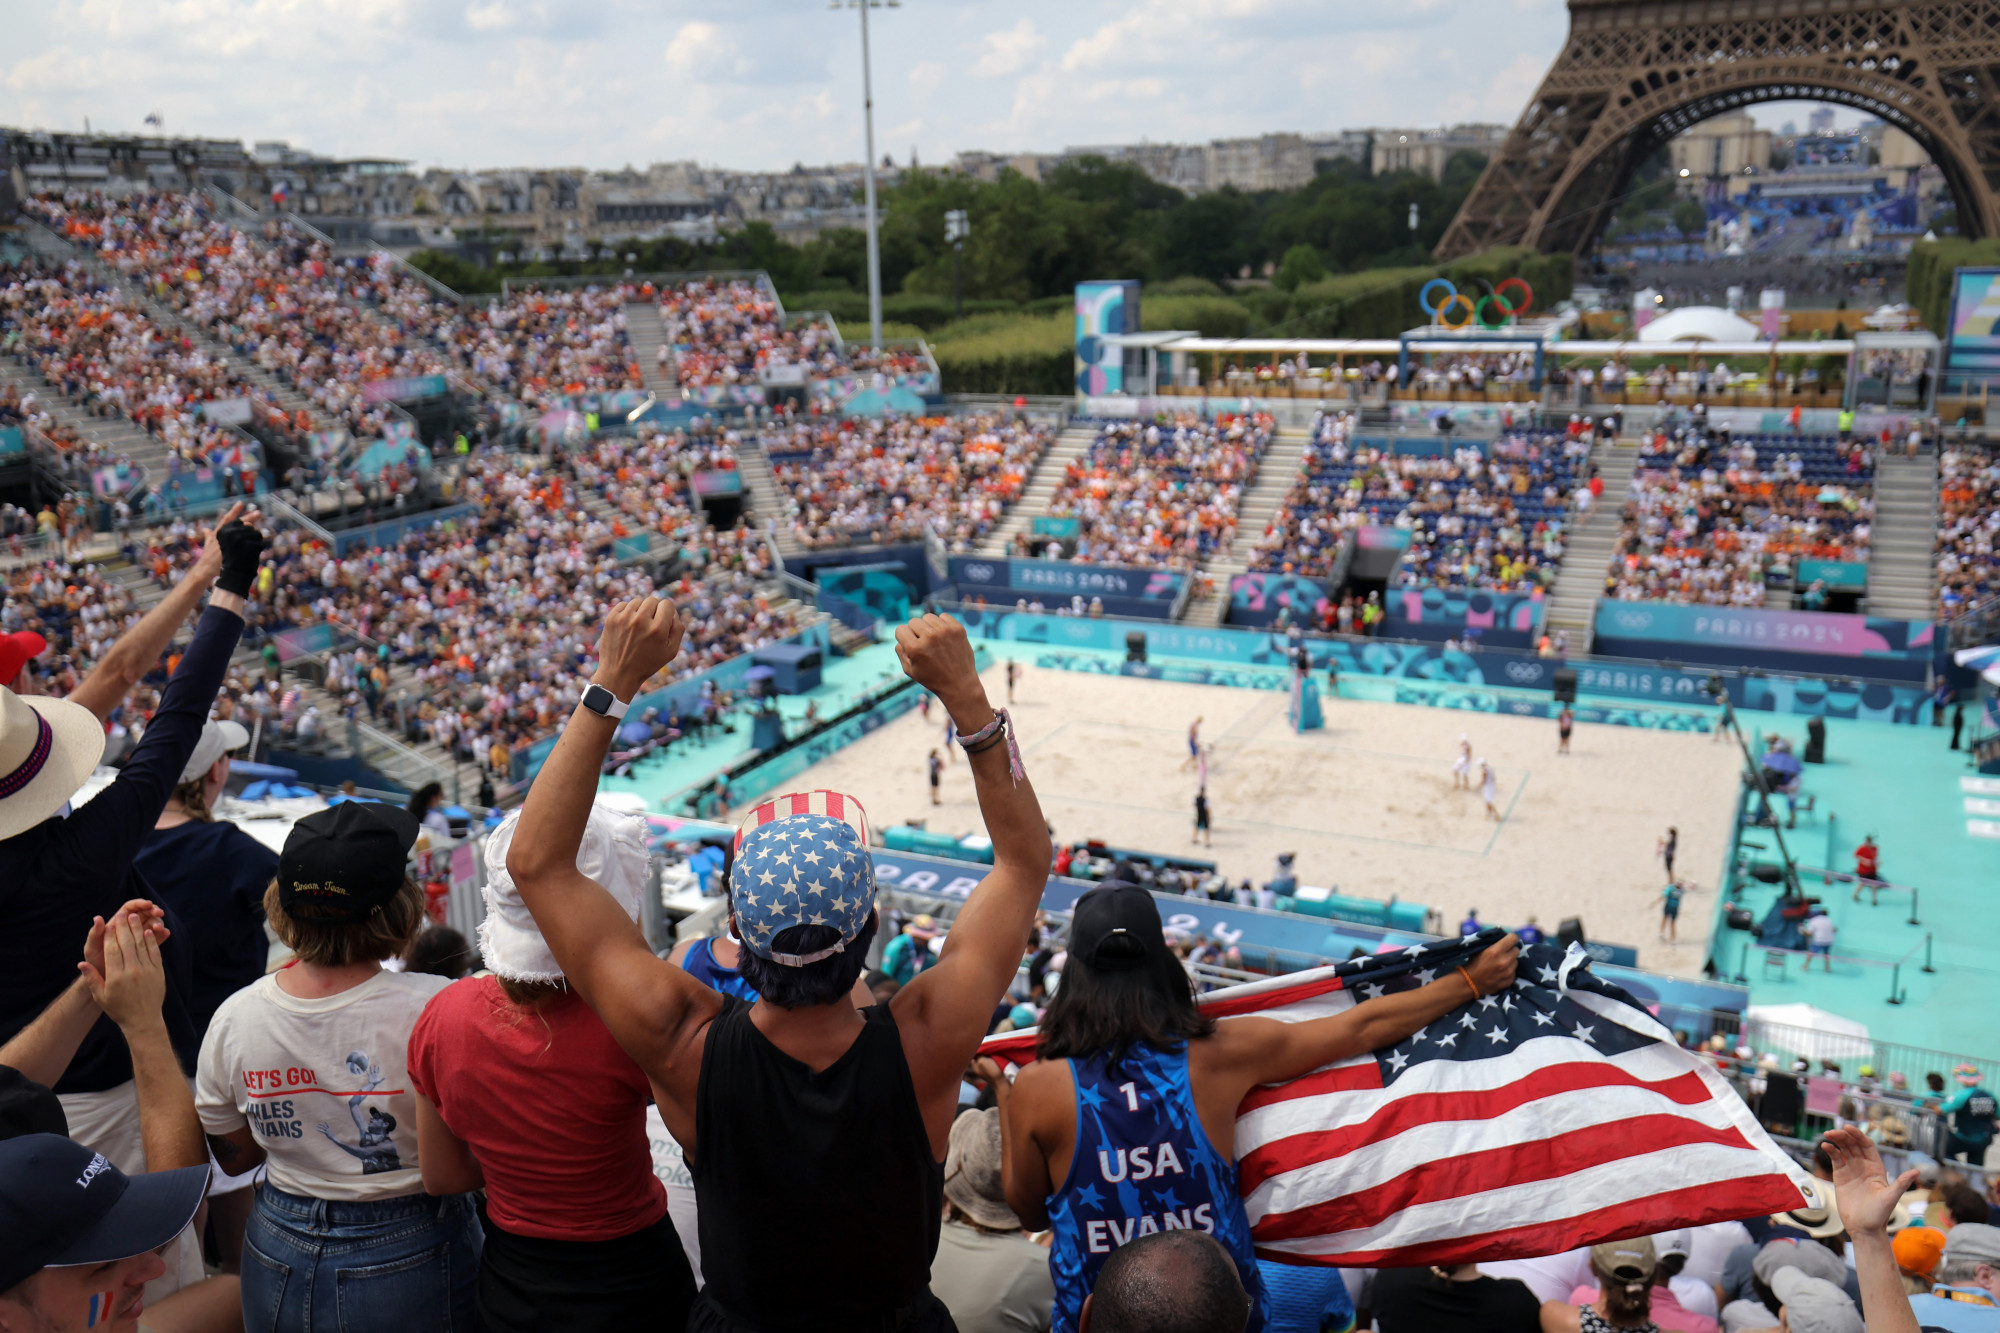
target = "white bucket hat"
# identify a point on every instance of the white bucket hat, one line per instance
(613, 853)
(48, 747)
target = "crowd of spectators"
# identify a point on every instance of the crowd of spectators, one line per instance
(1716, 519)
(105, 354)
(1968, 521)
(730, 331)
(1492, 518)
(331, 326)
(888, 479)
(474, 634)
(1162, 492)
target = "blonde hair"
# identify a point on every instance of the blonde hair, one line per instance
(193, 798)
(384, 934)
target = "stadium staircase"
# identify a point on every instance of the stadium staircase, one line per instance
(1587, 557)
(118, 434)
(768, 509)
(647, 334)
(1069, 447)
(1277, 472)
(1903, 538)
(173, 321)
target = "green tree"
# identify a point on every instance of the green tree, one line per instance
(1691, 217)
(1300, 266)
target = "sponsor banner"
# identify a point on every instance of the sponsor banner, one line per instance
(719, 482)
(1067, 578)
(1463, 608)
(402, 389)
(1259, 599)
(1287, 941)
(1818, 632)
(1059, 528)
(1837, 575)
(1104, 309)
(293, 644)
(12, 441)
(228, 411)
(725, 395)
(1836, 698)
(1378, 537)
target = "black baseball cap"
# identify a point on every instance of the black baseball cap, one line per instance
(63, 1206)
(1118, 915)
(26, 1107)
(346, 860)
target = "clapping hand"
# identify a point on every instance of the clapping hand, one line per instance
(129, 982)
(153, 917)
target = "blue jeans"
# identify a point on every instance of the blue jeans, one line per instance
(379, 1266)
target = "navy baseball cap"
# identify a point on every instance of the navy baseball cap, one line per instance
(63, 1206)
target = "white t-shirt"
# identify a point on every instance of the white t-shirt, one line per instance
(1551, 1277)
(1820, 930)
(1712, 1246)
(322, 1083)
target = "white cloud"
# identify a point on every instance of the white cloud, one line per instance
(759, 83)
(1008, 52)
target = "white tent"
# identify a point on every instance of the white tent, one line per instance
(1808, 1030)
(1700, 323)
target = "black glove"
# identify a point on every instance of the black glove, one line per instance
(241, 546)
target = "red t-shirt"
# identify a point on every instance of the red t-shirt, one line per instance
(1865, 862)
(551, 1106)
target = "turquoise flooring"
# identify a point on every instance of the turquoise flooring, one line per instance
(843, 681)
(1901, 784)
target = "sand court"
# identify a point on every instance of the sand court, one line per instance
(1367, 803)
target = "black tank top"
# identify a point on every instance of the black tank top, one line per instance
(818, 1195)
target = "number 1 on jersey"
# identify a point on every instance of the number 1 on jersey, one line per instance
(1131, 1091)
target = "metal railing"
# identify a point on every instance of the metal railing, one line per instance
(1782, 958)
(284, 512)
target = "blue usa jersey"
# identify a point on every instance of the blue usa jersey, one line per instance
(1142, 1164)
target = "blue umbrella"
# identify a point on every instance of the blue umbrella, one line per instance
(1782, 761)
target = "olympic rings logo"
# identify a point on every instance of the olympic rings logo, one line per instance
(1456, 310)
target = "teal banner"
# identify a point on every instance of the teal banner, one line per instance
(11, 441)
(1059, 528)
(1837, 575)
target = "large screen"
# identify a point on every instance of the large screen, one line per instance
(1974, 346)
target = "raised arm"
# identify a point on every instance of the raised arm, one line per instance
(1250, 1051)
(1867, 1199)
(944, 1012)
(138, 649)
(654, 1009)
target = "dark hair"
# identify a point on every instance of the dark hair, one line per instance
(1170, 1282)
(1935, 1080)
(824, 982)
(1621, 1301)
(1113, 1009)
(439, 951)
(1965, 1206)
(424, 798)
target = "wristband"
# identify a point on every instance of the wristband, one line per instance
(1470, 982)
(990, 735)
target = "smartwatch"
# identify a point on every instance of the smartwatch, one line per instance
(603, 702)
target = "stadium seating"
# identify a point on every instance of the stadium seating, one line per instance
(1490, 519)
(857, 480)
(1968, 520)
(1161, 493)
(1717, 520)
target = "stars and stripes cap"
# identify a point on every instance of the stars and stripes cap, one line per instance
(802, 860)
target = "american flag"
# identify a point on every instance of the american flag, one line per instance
(1553, 1115)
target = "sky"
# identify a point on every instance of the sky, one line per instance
(762, 84)
(759, 84)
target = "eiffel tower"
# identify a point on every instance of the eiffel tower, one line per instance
(1635, 73)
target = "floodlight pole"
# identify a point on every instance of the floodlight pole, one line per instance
(874, 247)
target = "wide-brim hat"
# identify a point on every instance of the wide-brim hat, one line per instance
(48, 747)
(612, 853)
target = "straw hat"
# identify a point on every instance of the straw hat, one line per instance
(47, 748)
